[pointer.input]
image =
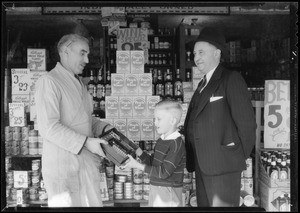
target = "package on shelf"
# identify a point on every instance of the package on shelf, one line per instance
(134, 129)
(272, 183)
(274, 199)
(36, 59)
(147, 129)
(137, 60)
(125, 107)
(17, 116)
(131, 84)
(103, 187)
(22, 98)
(123, 61)
(121, 125)
(145, 84)
(117, 84)
(277, 114)
(139, 106)
(151, 102)
(112, 106)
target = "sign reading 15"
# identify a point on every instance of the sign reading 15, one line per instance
(22, 86)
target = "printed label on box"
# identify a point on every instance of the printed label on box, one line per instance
(103, 187)
(133, 129)
(123, 61)
(126, 107)
(121, 125)
(112, 106)
(145, 84)
(137, 61)
(131, 84)
(16, 98)
(36, 59)
(117, 84)
(151, 102)
(139, 107)
(147, 129)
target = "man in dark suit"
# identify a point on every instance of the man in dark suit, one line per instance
(219, 127)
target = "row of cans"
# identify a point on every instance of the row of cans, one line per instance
(129, 190)
(34, 179)
(23, 148)
(18, 133)
(23, 195)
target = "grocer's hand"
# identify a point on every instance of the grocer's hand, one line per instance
(93, 145)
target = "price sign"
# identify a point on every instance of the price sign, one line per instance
(133, 39)
(36, 59)
(17, 114)
(20, 179)
(277, 114)
(19, 197)
(20, 81)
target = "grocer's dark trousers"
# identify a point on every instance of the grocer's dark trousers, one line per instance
(217, 191)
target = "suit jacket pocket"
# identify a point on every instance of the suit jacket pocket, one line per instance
(231, 148)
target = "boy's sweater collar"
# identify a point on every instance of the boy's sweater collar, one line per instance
(174, 135)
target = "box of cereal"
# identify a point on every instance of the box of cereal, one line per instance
(125, 107)
(137, 61)
(150, 103)
(117, 84)
(131, 84)
(145, 84)
(139, 106)
(147, 129)
(112, 107)
(123, 61)
(133, 129)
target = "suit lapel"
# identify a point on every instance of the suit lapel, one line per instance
(208, 91)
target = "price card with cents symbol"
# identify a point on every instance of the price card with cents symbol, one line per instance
(20, 179)
(20, 79)
(277, 114)
(17, 114)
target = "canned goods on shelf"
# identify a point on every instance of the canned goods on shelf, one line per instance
(118, 196)
(109, 171)
(146, 187)
(110, 182)
(15, 150)
(43, 194)
(248, 185)
(17, 136)
(33, 193)
(193, 200)
(8, 129)
(121, 178)
(138, 176)
(8, 136)
(110, 194)
(17, 129)
(40, 151)
(248, 172)
(33, 151)
(36, 165)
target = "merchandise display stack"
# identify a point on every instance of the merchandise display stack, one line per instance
(274, 162)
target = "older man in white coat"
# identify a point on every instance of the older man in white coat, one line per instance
(71, 150)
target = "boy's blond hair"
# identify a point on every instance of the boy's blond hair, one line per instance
(173, 107)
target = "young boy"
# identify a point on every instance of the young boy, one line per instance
(165, 166)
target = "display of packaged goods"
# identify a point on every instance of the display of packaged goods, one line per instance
(137, 61)
(131, 84)
(125, 107)
(112, 107)
(118, 146)
(117, 84)
(123, 61)
(145, 84)
(139, 106)
(134, 129)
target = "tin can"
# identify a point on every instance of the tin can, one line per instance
(13, 194)
(146, 188)
(10, 179)
(118, 196)
(8, 129)
(7, 160)
(35, 165)
(42, 194)
(17, 136)
(146, 178)
(33, 193)
(24, 147)
(15, 150)
(118, 187)
(193, 200)
(109, 171)
(110, 182)
(242, 183)
(248, 185)
(15, 143)
(8, 136)
(111, 194)
(17, 129)
(194, 183)
(137, 191)
(138, 176)
(121, 178)
(8, 150)
(33, 135)
(25, 133)
(248, 171)
(32, 151)
(35, 179)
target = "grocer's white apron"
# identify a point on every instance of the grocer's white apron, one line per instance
(70, 172)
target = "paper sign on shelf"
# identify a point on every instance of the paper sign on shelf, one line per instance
(36, 59)
(17, 115)
(277, 114)
(20, 179)
(20, 79)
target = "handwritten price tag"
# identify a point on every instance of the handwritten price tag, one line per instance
(20, 81)
(20, 179)
(277, 114)
(17, 114)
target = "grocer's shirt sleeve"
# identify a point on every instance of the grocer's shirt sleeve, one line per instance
(48, 100)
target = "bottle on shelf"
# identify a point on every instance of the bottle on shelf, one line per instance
(159, 87)
(273, 171)
(283, 171)
(91, 83)
(108, 84)
(168, 85)
(178, 90)
(100, 84)
(95, 103)
(188, 75)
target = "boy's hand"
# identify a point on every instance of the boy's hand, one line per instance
(132, 163)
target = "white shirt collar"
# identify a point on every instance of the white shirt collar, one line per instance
(209, 74)
(174, 135)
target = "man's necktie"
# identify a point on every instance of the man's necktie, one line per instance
(201, 84)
